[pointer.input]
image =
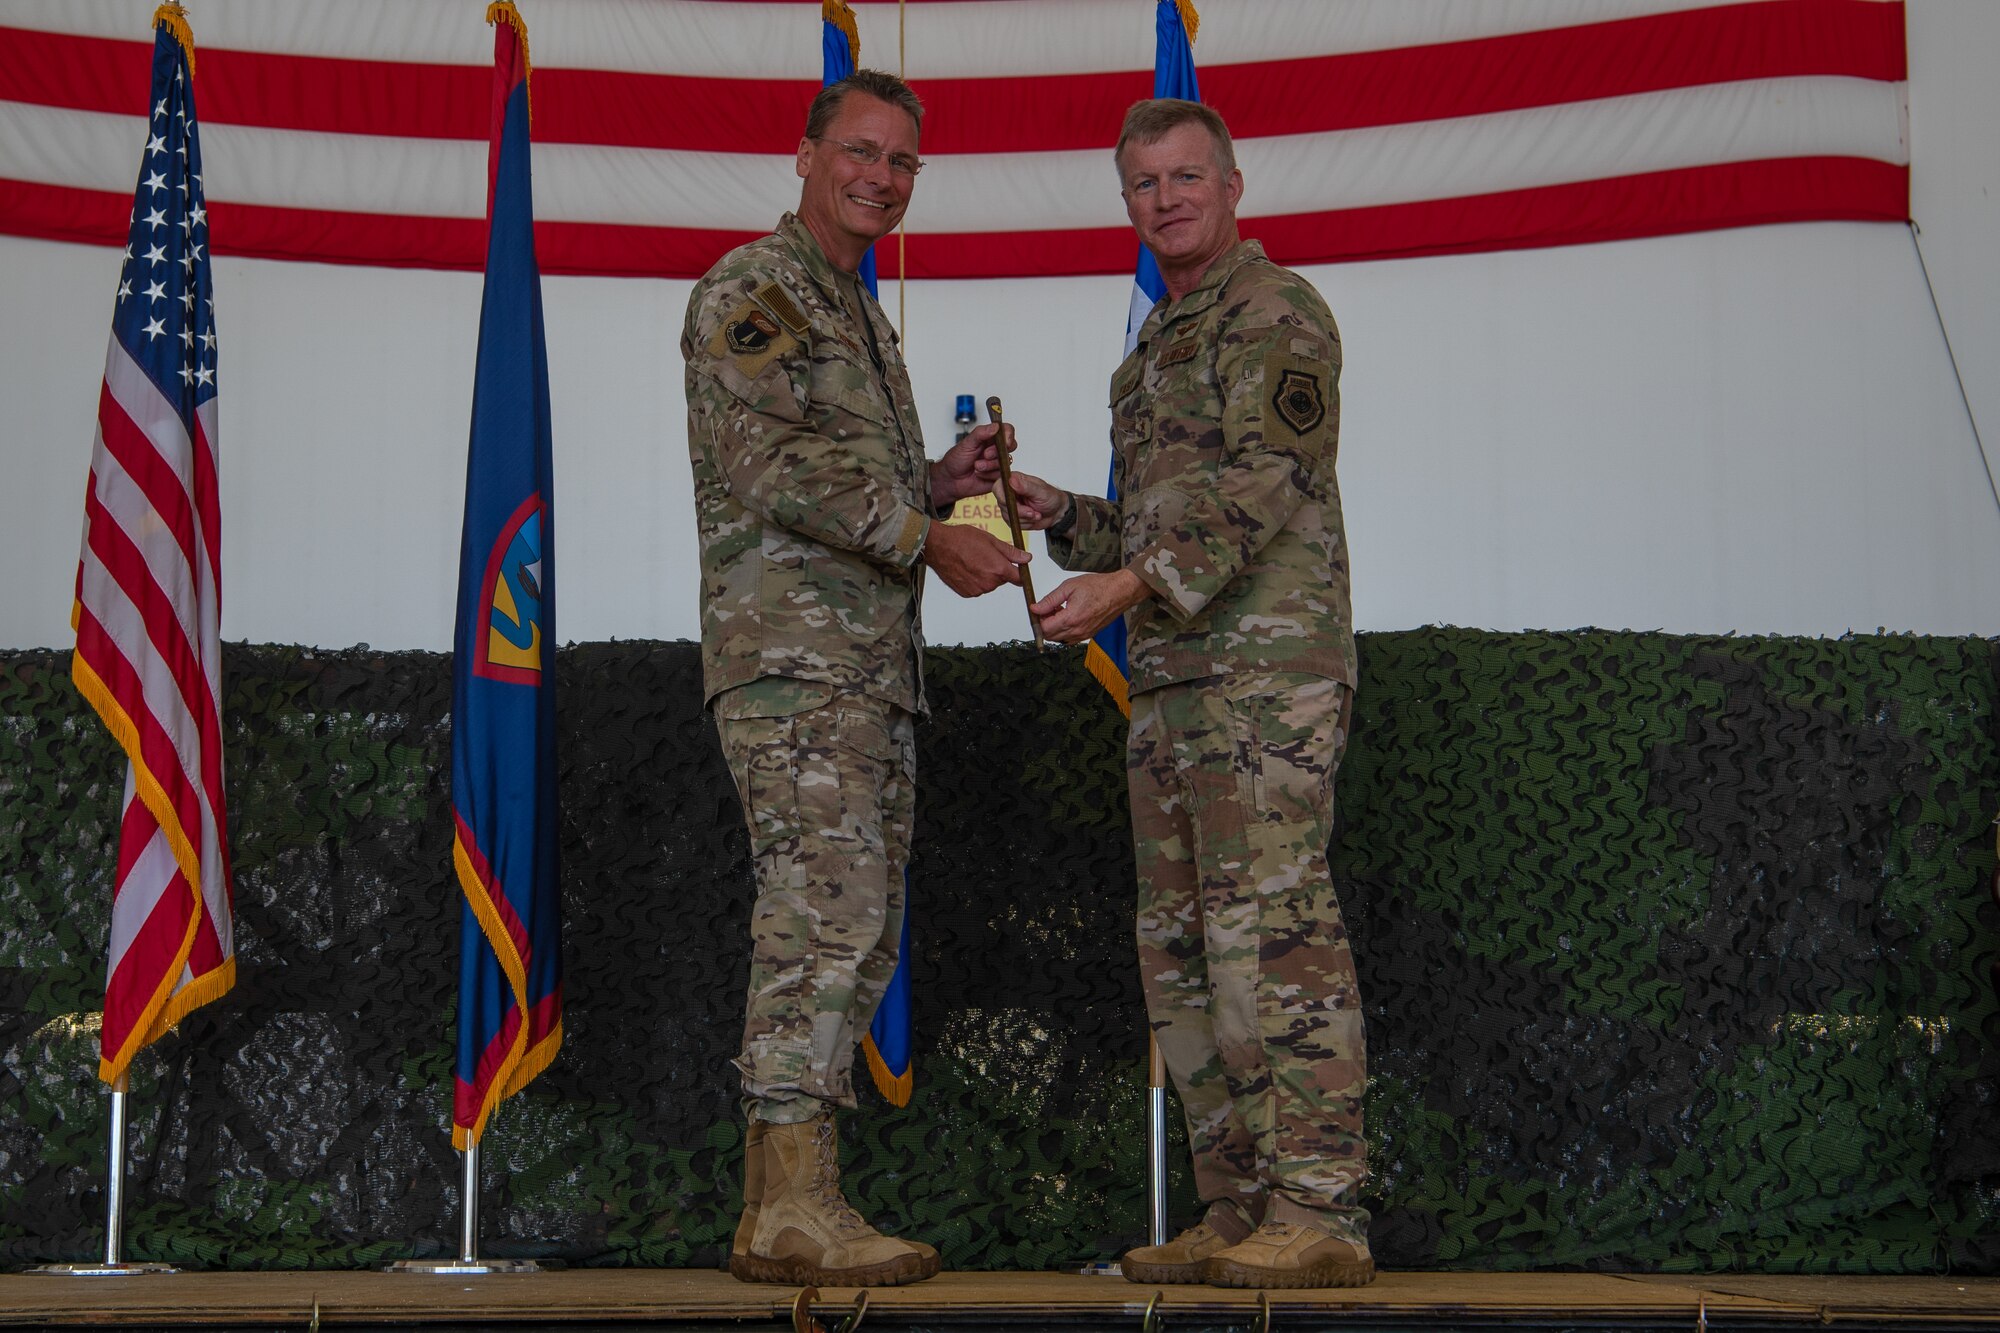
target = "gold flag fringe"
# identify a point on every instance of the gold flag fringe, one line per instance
(1189, 19)
(840, 16)
(174, 18)
(895, 1088)
(503, 11)
(1099, 664)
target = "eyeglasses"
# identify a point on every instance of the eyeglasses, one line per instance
(868, 154)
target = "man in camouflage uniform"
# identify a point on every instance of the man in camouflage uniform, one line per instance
(816, 512)
(1227, 556)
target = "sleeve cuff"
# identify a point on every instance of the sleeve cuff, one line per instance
(911, 540)
(1179, 601)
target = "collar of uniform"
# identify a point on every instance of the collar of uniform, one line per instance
(833, 283)
(811, 256)
(1212, 282)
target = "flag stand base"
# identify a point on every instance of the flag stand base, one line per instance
(114, 1209)
(463, 1267)
(468, 1263)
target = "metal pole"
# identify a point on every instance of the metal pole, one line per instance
(468, 1263)
(114, 1197)
(114, 1209)
(1156, 1139)
(468, 1226)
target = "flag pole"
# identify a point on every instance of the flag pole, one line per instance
(114, 1194)
(468, 1193)
(1156, 1140)
(1174, 27)
(468, 1263)
(503, 778)
(114, 1208)
(177, 913)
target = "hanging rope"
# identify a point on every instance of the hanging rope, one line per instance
(1916, 233)
(903, 224)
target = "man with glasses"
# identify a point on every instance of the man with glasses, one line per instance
(817, 514)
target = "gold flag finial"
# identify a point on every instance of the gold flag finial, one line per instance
(840, 16)
(503, 11)
(174, 17)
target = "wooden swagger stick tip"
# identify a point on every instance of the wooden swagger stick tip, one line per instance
(1013, 514)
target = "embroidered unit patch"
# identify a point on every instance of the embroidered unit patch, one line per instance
(1298, 401)
(751, 333)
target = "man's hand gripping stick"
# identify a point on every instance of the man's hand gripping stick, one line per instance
(1013, 514)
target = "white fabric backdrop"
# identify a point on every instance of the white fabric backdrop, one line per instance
(1752, 430)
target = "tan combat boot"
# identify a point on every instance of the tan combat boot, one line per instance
(753, 1187)
(1291, 1254)
(807, 1234)
(1183, 1259)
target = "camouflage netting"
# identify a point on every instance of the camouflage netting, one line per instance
(1678, 954)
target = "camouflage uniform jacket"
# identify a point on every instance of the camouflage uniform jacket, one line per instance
(811, 492)
(1225, 421)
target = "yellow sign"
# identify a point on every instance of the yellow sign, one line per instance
(983, 511)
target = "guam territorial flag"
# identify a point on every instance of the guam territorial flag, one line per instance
(503, 734)
(1174, 26)
(887, 1044)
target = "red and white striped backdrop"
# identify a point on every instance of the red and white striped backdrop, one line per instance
(355, 131)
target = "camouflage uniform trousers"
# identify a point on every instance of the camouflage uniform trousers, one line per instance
(1248, 976)
(828, 784)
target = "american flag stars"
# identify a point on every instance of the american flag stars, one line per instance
(163, 314)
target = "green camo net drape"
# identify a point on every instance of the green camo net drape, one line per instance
(1678, 953)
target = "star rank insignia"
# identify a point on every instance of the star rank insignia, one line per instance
(1297, 400)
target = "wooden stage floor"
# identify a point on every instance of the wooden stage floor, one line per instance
(629, 1298)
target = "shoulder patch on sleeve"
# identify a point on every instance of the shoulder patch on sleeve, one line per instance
(778, 301)
(750, 339)
(1298, 391)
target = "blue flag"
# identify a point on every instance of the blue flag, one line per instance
(1173, 76)
(839, 44)
(503, 734)
(887, 1045)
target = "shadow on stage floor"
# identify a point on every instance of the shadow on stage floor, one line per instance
(696, 1300)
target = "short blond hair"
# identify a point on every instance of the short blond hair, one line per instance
(883, 87)
(1152, 119)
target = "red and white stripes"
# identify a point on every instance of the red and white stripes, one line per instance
(148, 658)
(665, 128)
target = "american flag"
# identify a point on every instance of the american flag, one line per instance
(665, 130)
(148, 588)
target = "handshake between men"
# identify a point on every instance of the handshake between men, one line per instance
(970, 560)
(1226, 552)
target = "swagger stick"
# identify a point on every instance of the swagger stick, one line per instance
(1013, 514)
